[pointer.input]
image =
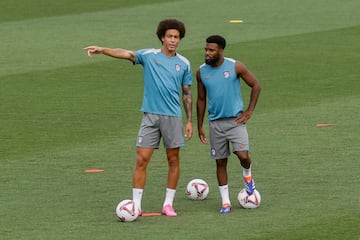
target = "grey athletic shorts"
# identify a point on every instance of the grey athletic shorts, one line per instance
(226, 131)
(155, 126)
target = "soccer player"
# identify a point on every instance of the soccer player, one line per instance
(166, 73)
(219, 84)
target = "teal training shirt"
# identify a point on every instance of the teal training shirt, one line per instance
(223, 90)
(163, 78)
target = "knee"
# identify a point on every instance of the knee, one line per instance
(173, 158)
(141, 161)
(140, 164)
(221, 163)
(244, 159)
(173, 162)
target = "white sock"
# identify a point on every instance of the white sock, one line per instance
(247, 172)
(137, 196)
(169, 197)
(224, 192)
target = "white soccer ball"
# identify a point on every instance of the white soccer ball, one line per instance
(249, 201)
(197, 189)
(126, 211)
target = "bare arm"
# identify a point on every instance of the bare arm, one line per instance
(112, 52)
(187, 102)
(200, 107)
(254, 84)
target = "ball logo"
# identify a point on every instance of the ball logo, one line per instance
(200, 188)
(226, 74)
(197, 189)
(249, 201)
(126, 211)
(177, 67)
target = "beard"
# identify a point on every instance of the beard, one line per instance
(213, 60)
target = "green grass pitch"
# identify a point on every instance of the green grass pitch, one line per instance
(62, 113)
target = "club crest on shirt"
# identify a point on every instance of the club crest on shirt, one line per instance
(226, 74)
(177, 67)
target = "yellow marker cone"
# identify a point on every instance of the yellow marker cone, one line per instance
(236, 21)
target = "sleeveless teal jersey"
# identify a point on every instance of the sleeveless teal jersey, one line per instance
(223, 90)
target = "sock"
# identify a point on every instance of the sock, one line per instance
(247, 174)
(248, 179)
(169, 196)
(137, 196)
(224, 192)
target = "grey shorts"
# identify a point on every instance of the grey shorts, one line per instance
(226, 131)
(155, 126)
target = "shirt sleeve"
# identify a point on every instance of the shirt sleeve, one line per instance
(187, 80)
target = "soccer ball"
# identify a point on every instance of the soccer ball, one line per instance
(197, 189)
(126, 211)
(249, 201)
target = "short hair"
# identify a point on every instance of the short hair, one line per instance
(167, 24)
(219, 40)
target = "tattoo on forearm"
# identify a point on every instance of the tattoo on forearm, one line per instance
(187, 101)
